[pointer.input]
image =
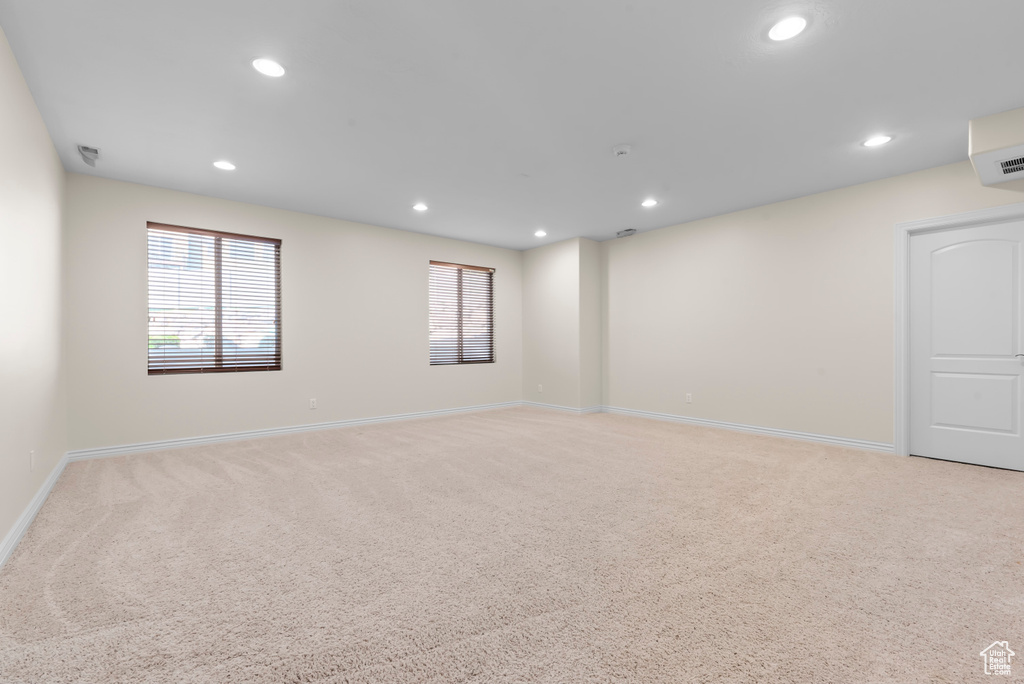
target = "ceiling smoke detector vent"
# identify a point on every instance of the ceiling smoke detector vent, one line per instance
(89, 154)
(621, 150)
(626, 233)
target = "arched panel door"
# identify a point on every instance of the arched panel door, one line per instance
(966, 354)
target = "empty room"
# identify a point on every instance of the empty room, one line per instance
(438, 341)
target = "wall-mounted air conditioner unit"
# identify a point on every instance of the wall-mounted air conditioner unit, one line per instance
(996, 148)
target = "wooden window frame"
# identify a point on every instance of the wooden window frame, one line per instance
(459, 319)
(218, 359)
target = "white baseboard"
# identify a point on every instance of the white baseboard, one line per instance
(26, 518)
(103, 452)
(568, 409)
(21, 525)
(773, 432)
(10, 542)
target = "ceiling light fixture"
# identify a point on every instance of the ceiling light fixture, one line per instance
(649, 202)
(877, 140)
(419, 206)
(224, 165)
(787, 28)
(268, 67)
(541, 233)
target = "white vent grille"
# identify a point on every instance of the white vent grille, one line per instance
(1012, 165)
(996, 148)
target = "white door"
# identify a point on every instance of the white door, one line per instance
(966, 354)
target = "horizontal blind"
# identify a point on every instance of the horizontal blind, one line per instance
(461, 314)
(214, 301)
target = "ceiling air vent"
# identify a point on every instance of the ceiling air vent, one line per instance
(626, 233)
(1012, 165)
(996, 149)
(89, 154)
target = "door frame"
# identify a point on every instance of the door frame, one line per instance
(904, 231)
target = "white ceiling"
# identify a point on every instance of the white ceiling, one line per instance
(501, 115)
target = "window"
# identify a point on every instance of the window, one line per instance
(214, 301)
(461, 314)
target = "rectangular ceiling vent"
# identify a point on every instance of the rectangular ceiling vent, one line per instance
(1012, 165)
(626, 233)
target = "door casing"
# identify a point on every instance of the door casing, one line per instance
(903, 233)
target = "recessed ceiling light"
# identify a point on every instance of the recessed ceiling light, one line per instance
(419, 206)
(268, 67)
(541, 233)
(649, 202)
(787, 28)
(224, 165)
(877, 140)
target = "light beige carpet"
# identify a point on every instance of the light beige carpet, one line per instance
(518, 545)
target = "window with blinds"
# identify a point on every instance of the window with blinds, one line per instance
(461, 314)
(214, 301)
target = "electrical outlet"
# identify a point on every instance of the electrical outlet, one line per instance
(312, 403)
(32, 461)
(540, 388)
(689, 398)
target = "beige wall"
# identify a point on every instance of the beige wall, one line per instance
(32, 415)
(354, 310)
(779, 316)
(551, 336)
(562, 324)
(591, 267)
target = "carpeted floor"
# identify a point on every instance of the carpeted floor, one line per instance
(519, 545)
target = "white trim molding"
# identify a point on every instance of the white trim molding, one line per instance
(14, 536)
(103, 452)
(903, 233)
(754, 429)
(568, 409)
(22, 524)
